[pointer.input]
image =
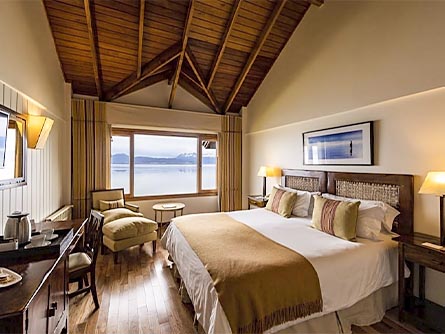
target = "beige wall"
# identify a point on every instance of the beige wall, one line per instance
(28, 62)
(123, 115)
(357, 61)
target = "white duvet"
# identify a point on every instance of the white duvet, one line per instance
(348, 271)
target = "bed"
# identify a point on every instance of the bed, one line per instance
(357, 279)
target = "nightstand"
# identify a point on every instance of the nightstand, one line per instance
(417, 310)
(257, 200)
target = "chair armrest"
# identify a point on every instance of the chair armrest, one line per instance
(132, 207)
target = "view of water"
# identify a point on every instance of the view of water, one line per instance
(162, 179)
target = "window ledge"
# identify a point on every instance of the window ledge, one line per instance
(159, 197)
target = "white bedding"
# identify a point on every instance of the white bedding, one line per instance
(348, 271)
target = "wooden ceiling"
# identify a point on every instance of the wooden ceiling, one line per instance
(218, 50)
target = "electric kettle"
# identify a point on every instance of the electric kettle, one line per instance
(18, 227)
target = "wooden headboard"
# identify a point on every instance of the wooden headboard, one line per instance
(394, 189)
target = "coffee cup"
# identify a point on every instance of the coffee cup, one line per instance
(48, 232)
(38, 240)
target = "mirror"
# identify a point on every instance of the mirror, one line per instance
(12, 174)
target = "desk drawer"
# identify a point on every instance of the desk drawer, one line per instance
(426, 257)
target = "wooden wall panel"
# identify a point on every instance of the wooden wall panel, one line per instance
(43, 193)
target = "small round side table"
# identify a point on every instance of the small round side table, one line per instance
(167, 207)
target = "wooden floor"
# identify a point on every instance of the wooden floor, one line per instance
(139, 295)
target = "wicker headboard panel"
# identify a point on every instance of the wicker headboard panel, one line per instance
(393, 189)
(305, 180)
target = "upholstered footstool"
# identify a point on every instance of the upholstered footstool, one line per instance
(126, 232)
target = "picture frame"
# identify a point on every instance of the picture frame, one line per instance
(349, 145)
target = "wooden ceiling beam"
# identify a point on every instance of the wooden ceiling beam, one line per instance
(191, 86)
(92, 35)
(224, 40)
(141, 36)
(185, 37)
(147, 70)
(162, 75)
(198, 73)
(256, 50)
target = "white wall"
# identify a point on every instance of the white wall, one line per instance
(357, 61)
(131, 116)
(29, 64)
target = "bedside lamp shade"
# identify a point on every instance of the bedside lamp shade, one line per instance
(434, 184)
(266, 171)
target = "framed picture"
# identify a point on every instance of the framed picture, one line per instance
(343, 145)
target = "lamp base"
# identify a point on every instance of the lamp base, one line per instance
(442, 221)
(264, 186)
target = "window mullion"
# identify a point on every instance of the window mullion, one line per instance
(132, 164)
(199, 164)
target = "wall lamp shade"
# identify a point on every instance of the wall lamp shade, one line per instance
(38, 129)
(434, 184)
(266, 171)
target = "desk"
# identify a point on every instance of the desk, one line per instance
(167, 207)
(418, 310)
(39, 303)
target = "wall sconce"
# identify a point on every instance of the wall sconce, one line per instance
(38, 129)
(266, 171)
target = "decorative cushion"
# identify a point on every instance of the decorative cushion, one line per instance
(78, 261)
(337, 218)
(301, 206)
(107, 205)
(281, 202)
(113, 214)
(129, 227)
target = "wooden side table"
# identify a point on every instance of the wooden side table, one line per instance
(257, 200)
(418, 310)
(167, 207)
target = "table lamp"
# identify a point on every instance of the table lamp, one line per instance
(266, 171)
(434, 184)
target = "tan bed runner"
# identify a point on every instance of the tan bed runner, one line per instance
(260, 283)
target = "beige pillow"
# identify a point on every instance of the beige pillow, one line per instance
(337, 218)
(281, 202)
(107, 205)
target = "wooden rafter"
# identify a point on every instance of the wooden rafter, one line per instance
(141, 36)
(92, 38)
(162, 75)
(262, 39)
(191, 86)
(224, 40)
(198, 73)
(185, 37)
(147, 70)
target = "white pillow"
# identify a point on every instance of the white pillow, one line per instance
(371, 216)
(302, 203)
(390, 215)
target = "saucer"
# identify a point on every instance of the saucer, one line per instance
(54, 236)
(13, 277)
(46, 243)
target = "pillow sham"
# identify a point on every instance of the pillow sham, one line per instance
(107, 205)
(301, 206)
(281, 201)
(338, 218)
(390, 214)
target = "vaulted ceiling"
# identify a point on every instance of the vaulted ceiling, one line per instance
(217, 50)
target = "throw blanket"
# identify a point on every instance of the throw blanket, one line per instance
(260, 283)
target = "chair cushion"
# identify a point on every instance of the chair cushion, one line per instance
(78, 261)
(118, 213)
(129, 227)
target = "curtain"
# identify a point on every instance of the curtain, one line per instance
(91, 154)
(230, 163)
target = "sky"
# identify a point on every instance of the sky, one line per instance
(155, 146)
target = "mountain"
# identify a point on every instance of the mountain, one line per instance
(181, 159)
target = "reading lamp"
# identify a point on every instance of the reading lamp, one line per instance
(38, 129)
(266, 171)
(434, 184)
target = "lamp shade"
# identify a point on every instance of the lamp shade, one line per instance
(433, 184)
(38, 129)
(266, 171)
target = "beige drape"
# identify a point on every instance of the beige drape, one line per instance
(230, 163)
(90, 153)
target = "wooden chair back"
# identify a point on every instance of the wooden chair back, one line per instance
(93, 235)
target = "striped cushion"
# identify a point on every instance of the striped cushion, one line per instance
(281, 202)
(107, 205)
(337, 218)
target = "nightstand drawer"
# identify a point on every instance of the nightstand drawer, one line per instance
(425, 257)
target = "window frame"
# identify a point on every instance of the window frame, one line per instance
(200, 138)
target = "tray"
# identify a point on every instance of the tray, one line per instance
(53, 250)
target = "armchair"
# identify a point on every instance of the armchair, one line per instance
(124, 226)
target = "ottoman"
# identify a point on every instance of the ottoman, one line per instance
(126, 232)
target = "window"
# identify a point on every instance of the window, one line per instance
(157, 164)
